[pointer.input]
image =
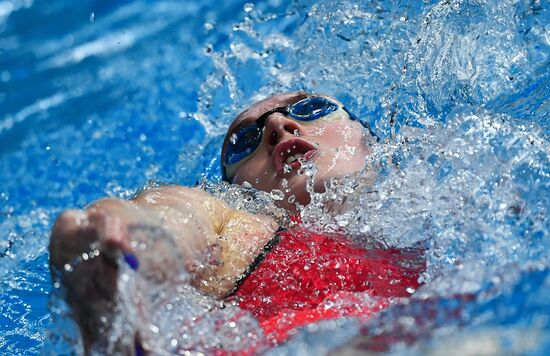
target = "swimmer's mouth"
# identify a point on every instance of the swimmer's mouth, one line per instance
(289, 155)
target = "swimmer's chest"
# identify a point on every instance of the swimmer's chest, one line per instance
(307, 277)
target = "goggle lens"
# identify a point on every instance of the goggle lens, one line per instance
(243, 142)
(310, 109)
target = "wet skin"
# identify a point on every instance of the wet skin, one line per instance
(214, 242)
(334, 143)
(197, 221)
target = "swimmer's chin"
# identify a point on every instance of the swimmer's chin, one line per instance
(351, 183)
(299, 204)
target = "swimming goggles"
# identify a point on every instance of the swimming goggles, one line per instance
(245, 140)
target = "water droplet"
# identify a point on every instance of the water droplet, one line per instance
(284, 183)
(248, 7)
(276, 194)
(342, 221)
(92, 17)
(364, 229)
(208, 26)
(287, 168)
(291, 199)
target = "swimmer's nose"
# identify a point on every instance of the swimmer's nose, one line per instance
(277, 128)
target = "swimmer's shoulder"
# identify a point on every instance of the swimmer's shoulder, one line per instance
(175, 195)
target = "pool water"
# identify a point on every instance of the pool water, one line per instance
(102, 98)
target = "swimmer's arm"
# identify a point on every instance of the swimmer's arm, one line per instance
(220, 240)
(201, 225)
(218, 243)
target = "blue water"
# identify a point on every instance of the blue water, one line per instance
(98, 98)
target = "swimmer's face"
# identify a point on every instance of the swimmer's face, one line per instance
(334, 143)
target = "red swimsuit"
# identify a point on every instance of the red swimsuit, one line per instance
(308, 277)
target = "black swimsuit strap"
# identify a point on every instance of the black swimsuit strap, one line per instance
(261, 256)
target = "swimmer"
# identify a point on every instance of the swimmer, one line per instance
(265, 147)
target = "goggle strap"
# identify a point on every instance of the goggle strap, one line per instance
(362, 122)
